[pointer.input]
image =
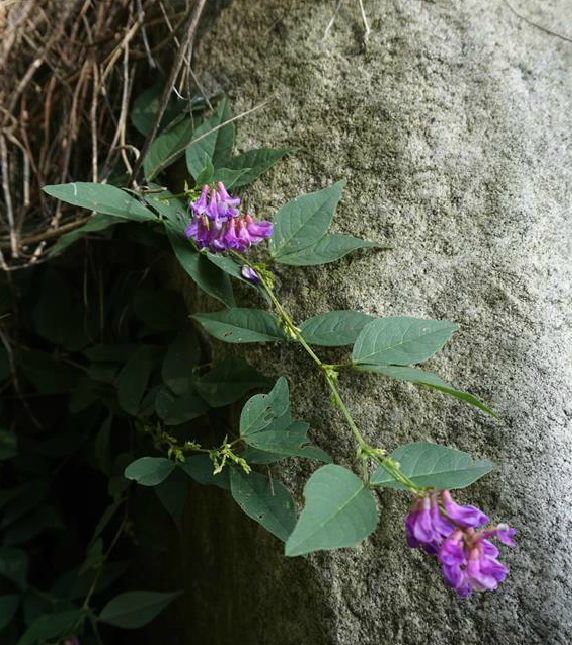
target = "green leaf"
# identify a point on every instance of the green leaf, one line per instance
(112, 353)
(175, 410)
(304, 220)
(334, 328)
(229, 382)
(71, 586)
(210, 278)
(200, 468)
(94, 557)
(106, 518)
(286, 437)
(419, 377)
(118, 484)
(51, 627)
(14, 566)
(134, 609)
(254, 456)
(42, 518)
(149, 471)
(241, 325)
(228, 265)
(162, 310)
(256, 162)
(268, 503)
(428, 464)
(46, 374)
(8, 607)
(182, 355)
(145, 106)
(217, 145)
(96, 223)
(206, 175)
(134, 377)
(167, 148)
(327, 249)
(340, 511)
(267, 425)
(262, 409)
(228, 176)
(101, 198)
(168, 206)
(401, 341)
(26, 497)
(8, 445)
(172, 494)
(34, 605)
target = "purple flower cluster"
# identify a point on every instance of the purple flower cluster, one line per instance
(217, 224)
(446, 529)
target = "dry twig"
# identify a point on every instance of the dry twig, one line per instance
(69, 69)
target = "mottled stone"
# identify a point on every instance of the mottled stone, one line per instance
(453, 132)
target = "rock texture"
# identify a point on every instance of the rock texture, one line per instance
(452, 129)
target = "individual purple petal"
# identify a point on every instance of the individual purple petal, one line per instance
(192, 229)
(468, 516)
(489, 549)
(226, 205)
(423, 527)
(203, 234)
(484, 572)
(212, 208)
(216, 237)
(199, 207)
(453, 552)
(243, 238)
(465, 589)
(233, 201)
(230, 238)
(453, 575)
(258, 231)
(441, 524)
(409, 524)
(504, 533)
(250, 274)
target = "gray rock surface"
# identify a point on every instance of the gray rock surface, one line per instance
(453, 132)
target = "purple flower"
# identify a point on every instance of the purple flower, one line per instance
(468, 516)
(452, 552)
(425, 526)
(219, 235)
(216, 223)
(446, 529)
(226, 202)
(220, 205)
(258, 231)
(250, 274)
(199, 207)
(503, 533)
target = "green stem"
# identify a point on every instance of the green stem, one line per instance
(330, 375)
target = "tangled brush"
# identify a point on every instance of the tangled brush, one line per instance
(68, 69)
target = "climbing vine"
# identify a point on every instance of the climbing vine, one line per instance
(137, 362)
